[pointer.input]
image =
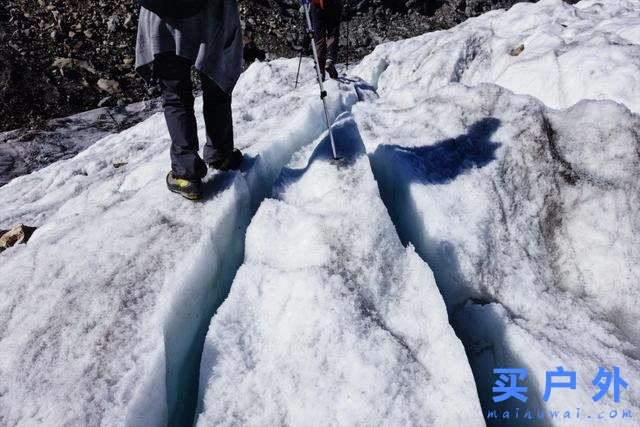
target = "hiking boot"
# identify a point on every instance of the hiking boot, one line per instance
(187, 188)
(331, 70)
(232, 162)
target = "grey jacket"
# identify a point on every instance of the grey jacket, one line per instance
(212, 40)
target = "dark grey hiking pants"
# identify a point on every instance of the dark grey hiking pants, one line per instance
(174, 74)
(326, 30)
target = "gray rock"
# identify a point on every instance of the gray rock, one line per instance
(20, 234)
(516, 50)
(112, 23)
(109, 86)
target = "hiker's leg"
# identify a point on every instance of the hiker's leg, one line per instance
(320, 35)
(174, 74)
(333, 31)
(218, 121)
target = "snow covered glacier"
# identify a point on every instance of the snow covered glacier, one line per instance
(504, 154)
(331, 321)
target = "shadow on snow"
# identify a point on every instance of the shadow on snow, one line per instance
(445, 160)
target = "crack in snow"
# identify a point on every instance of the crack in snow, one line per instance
(258, 189)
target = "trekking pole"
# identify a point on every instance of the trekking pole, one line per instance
(323, 93)
(298, 73)
(347, 23)
(300, 61)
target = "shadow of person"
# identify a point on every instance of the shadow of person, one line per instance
(443, 161)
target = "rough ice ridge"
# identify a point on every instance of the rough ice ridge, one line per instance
(525, 213)
(590, 50)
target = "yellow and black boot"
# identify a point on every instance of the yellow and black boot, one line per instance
(188, 188)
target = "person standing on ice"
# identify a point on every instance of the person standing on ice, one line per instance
(326, 16)
(173, 36)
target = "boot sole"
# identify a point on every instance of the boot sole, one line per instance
(189, 196)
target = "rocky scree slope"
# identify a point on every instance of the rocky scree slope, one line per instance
(59, 57)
